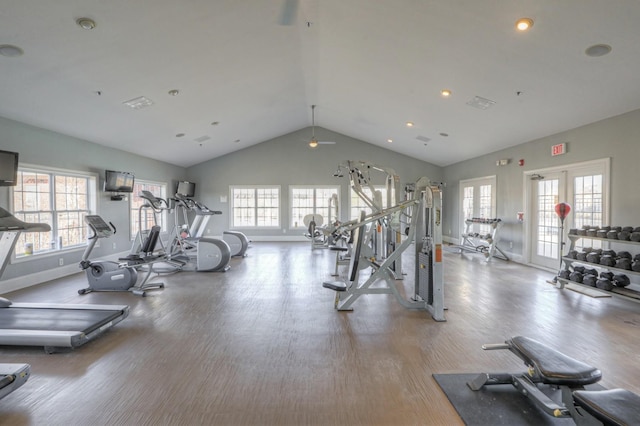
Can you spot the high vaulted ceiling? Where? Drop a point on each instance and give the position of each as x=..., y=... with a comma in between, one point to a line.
x=370, y=66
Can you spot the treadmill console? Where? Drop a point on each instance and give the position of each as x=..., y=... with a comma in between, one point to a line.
x=99, y=226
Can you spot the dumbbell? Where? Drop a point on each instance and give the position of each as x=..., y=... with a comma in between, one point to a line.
x=589, y=280
x=608, y=275
x=575, y=277
x=604, y=284
x=621, y=280
x=622, y=254
x=593, y=257
x=624, y=263
x=607, y=260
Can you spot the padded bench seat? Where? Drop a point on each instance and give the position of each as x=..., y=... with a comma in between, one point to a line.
x=335, y=285
x=612, y=407
x=554, y=367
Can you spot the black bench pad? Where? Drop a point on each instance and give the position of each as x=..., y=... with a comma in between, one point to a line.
x=555, y=368
x=335, y=285
x=612, y=407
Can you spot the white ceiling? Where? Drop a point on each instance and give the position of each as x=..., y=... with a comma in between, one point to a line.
x=369, y=66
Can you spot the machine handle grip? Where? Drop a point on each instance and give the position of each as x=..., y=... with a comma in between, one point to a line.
x=495, y=346
x=113, y=227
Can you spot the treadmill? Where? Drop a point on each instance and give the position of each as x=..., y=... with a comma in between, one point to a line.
x=12, y=376
x=56, y=327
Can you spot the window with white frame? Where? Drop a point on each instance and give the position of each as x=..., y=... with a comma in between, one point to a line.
x=316, y=200
x=357, y=204
x=255, y=206
x=59, y=198
x=146, y=216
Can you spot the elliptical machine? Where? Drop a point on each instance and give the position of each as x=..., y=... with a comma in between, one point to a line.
x=187, y=243
x=238, y=242
x=107, y=275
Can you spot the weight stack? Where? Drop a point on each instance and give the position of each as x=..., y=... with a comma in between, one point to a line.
x=425, y=277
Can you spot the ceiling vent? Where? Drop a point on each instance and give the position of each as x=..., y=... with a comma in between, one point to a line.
x=481, y=103
x=423, y=138
x=202, y=139
x=139, y=102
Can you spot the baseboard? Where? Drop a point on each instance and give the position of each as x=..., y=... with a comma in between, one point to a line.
x=24, y=281
x=277, y=238
x=450, y=240
x=36, y=278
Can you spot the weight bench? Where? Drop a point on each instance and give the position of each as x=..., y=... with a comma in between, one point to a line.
x=546, y=366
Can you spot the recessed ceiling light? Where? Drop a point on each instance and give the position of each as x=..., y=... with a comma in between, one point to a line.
x=174, y=92
x=215, y=123
x=10, y=51
x=598, y=50
x=444, y=135
x=523, y=24
x=390, y=140
x=86, y=23
x=236, y=141
x=445, y=93
x=179, y=135
x=409, y=124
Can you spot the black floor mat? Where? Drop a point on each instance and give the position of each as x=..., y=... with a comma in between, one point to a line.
x=496, y=404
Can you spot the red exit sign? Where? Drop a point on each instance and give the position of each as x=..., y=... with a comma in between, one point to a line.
x=559, y=149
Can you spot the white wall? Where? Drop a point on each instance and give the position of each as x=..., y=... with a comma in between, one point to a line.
x=617, y=137
x=46, y=148
x=288, y=160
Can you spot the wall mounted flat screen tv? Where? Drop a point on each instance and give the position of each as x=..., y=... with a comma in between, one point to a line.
x=118, y=181
x=8, y=168
x=186, y=189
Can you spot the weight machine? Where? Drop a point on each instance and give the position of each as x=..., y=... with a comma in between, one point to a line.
x=384, y=237
x=424, y=209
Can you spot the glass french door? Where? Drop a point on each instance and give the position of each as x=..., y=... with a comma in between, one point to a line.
x=547, y=191
x=478, y=199
x=584, y=188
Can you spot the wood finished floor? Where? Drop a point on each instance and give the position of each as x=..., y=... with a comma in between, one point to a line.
x=262, y=345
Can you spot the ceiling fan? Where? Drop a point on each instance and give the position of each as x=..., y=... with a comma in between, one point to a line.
x=314, y=142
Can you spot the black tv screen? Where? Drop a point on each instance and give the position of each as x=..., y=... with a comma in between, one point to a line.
x=8, y=168
x=187, y=189
x=118, y=181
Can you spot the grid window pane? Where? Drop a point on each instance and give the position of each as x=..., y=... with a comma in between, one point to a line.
x=146, y=215
x=255, y=207
x=58, y=199
x=316, y=201
x=358, y=204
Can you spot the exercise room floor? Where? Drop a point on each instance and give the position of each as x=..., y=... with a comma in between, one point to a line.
x=262, y=345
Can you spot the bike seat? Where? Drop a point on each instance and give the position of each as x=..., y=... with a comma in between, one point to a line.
x=611, y=407
x=553, y=367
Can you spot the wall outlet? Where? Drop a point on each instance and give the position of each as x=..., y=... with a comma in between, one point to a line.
x=113, y=246
x=284, y=231
x=60, y=262
x=510, y=244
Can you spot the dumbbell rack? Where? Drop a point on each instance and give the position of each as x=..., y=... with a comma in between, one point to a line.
x=475, y=243
x=623, y=291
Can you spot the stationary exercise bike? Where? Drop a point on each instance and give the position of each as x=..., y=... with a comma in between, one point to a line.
x=106, y=275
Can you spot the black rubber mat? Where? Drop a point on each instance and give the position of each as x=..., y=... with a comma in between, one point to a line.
x=496, y=404
x=83, y=320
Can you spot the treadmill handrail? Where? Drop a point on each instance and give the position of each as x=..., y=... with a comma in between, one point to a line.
x=9, y=222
